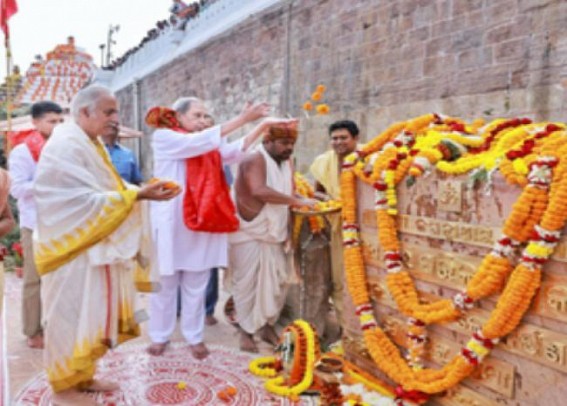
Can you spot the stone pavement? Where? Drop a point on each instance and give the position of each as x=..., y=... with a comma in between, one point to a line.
x=25, y=363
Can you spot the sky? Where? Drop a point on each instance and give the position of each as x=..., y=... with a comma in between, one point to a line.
x=39, y=25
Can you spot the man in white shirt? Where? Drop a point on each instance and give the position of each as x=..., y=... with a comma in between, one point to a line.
x=22, y=164
x=191, y=231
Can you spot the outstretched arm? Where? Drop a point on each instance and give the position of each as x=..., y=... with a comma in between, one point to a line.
x=254, y=172
x=249, y=114
x=234, y=152
x=264, y=126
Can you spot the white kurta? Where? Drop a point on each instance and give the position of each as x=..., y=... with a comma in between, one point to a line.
x=22, y=169
x=178, y=247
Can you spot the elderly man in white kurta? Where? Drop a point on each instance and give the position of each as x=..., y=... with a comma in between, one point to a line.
x=191, y=231
x=259, y=260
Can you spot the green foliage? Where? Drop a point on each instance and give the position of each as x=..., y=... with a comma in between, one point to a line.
x=479, y=176
x=410, y=181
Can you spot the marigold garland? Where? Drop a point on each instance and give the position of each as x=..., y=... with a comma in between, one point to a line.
x=316, y=222
x=264, y=367
x=306, y=353
x=535, y=223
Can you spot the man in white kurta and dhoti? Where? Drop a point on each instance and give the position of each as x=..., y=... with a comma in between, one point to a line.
x=259, y=259
x=191, y=231
x=92, y=248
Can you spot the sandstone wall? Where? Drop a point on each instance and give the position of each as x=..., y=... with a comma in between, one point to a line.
x=443, y=246
x=382, y=61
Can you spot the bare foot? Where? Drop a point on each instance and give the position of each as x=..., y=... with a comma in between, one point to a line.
x=247, y=343
x=268, y=334
x=36, y=341
x=99, y=385
x=199, y=351
x=210, y=320
x=230, y=312
x=157, y=349
x=72, y=397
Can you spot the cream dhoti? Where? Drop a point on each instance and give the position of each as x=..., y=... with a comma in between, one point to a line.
x=258, y=259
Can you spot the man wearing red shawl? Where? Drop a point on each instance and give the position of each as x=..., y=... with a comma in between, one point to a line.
x=22, y=164
x=191, y=231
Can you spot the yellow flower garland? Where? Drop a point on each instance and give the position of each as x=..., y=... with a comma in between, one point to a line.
x=277, y=385
x=263, y=367
x=535, y=206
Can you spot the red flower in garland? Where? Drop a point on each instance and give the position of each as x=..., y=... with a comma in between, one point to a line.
x=17, y=248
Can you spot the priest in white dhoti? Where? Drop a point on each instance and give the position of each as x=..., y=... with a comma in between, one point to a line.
x=92, y=248
x=191, y=231
x=260, y=260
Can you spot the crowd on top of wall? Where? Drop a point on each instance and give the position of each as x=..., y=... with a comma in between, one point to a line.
x=181, y=14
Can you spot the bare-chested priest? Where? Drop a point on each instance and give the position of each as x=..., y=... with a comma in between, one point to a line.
x=258, y=258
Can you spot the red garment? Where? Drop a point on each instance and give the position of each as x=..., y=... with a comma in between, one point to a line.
x=7, y=9
x=207, y=205
x=32, y=138
x=35, y=142
x=17, y=137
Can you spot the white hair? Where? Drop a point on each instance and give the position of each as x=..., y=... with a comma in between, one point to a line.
x=183, y=104
x=87, y=98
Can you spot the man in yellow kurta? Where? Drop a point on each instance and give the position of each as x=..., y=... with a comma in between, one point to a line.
x=326, y=171
x=92, y=248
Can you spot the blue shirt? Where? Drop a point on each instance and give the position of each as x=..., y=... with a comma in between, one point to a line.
x=125, y=163
x=228, y=175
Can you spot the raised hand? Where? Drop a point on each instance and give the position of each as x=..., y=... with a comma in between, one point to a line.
x=254, y=111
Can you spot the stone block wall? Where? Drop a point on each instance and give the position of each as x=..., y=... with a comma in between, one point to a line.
x=443, y=247
x=382, y=61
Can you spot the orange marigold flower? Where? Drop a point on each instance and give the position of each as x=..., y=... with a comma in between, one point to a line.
x=323, y=109
x=321, y=89
x=316, y=96
x=307, y=106
x=222, y=395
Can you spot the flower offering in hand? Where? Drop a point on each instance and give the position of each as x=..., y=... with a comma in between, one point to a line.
x=171, y=185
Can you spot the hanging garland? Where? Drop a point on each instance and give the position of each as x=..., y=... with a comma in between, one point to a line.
x=528, y=155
